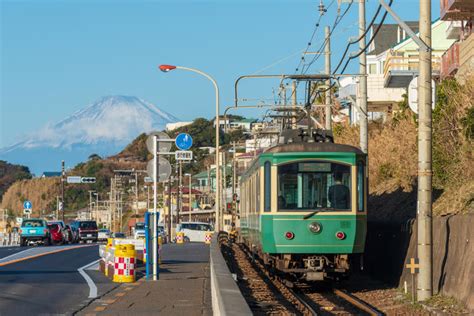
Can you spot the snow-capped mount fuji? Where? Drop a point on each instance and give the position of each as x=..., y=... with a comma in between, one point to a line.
x=104, y=128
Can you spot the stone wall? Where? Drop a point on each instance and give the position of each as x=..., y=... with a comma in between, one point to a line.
x=389, y=247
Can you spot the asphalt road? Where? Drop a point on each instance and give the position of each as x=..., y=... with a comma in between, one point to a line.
x=49, y=284
x=7, y=251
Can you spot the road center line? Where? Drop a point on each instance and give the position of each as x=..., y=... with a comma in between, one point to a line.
x=90, y=283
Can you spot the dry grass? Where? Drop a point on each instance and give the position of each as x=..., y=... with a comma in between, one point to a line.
x=393, y=152
x=40, y=191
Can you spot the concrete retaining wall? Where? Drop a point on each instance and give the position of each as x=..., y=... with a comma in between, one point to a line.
x=389, y=247
x=226, y=296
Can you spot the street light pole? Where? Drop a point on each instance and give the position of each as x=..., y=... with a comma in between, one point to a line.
x=167, y=68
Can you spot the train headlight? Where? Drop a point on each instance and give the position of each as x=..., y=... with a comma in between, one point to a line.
x=289, y=235
x=340, y=235
x=315, y=227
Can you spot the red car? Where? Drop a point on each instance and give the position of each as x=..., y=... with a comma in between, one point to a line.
x=57, y=236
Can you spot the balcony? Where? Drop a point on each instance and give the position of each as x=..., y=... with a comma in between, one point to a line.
x=454, y=30
x=450, y=62
x=400, y=68
x=456, y=9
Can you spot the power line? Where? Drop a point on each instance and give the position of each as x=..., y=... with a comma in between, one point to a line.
x=359, y=39
x=318, y=23
x=361, y=50
x=337, y=20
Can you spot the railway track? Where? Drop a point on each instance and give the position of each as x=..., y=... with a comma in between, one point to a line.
x=285, y=298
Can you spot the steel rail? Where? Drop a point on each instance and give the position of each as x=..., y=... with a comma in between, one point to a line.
x=357, y=302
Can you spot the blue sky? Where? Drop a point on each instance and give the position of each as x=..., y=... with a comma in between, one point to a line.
x=58, y=56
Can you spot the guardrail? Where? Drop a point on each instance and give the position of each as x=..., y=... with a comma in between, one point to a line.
x=12, y=239
x=226, y=296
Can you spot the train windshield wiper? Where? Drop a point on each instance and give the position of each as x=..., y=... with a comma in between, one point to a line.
x=322, y=209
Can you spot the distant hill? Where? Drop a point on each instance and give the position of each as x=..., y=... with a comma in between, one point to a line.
x=10, y=173
x=104, y=127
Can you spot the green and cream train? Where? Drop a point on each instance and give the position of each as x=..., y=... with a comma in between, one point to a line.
x=303, y=208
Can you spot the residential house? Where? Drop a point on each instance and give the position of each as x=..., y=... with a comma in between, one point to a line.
x=51, y=174
x=172, y=126
x=402, y=61
x=458, y=60
x=380, y=100
x=244, y=124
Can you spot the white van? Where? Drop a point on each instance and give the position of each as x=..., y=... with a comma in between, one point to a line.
x=194, y=231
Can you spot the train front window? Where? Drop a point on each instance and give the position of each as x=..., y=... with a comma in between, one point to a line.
x=312, y=185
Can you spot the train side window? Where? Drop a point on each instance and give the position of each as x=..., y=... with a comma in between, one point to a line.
x=267, y=186
x=360, y=186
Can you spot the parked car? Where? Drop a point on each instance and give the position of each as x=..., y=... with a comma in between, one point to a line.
x=62, y=226
x=194, y=231
x=69, y=234
x=139, y=230
x=86, y=230
x=103, y=234
x=34, y=230
x=56, y=233
x=119, y=235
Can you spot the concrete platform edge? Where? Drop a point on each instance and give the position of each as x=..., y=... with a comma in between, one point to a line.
x=226, y=296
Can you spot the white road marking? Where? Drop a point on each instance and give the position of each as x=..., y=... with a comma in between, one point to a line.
x=90, y=283
x=16, y=254
x=36, y=251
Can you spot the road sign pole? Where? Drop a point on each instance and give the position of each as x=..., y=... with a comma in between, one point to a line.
x=155, y=222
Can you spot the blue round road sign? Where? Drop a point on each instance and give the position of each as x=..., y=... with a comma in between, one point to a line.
x=184, y=141
x=27, y=205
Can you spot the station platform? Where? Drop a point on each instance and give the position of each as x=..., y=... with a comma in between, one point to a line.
x=183, y=288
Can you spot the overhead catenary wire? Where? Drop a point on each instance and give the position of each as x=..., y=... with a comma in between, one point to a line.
x=361, y=50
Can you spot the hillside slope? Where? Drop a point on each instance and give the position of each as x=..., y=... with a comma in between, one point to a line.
x=393, y=157
x=10, y=173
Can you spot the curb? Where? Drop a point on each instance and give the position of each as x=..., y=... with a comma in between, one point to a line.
x=226, y=296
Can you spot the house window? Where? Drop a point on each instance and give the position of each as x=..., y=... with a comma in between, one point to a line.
x=372, y=69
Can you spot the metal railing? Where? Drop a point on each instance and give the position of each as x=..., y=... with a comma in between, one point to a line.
x=411, y=62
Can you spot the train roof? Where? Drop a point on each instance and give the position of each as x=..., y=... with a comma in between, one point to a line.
x=314, y=147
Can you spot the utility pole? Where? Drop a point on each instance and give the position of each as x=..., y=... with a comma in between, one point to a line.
x=136, y=194
x=90, y=204
x=234, y=171
x=180, y=192
x=63, y=173
x=169, y=211
x=295, y=100
x=190, y=197
x=362, y=100
x=327, y=54
x=224, y=190
x=425, y=234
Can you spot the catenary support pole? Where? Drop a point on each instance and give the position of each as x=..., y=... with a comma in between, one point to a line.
x=363, y=82
x=327, y=54
x=294, y=101
x=425, y=281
